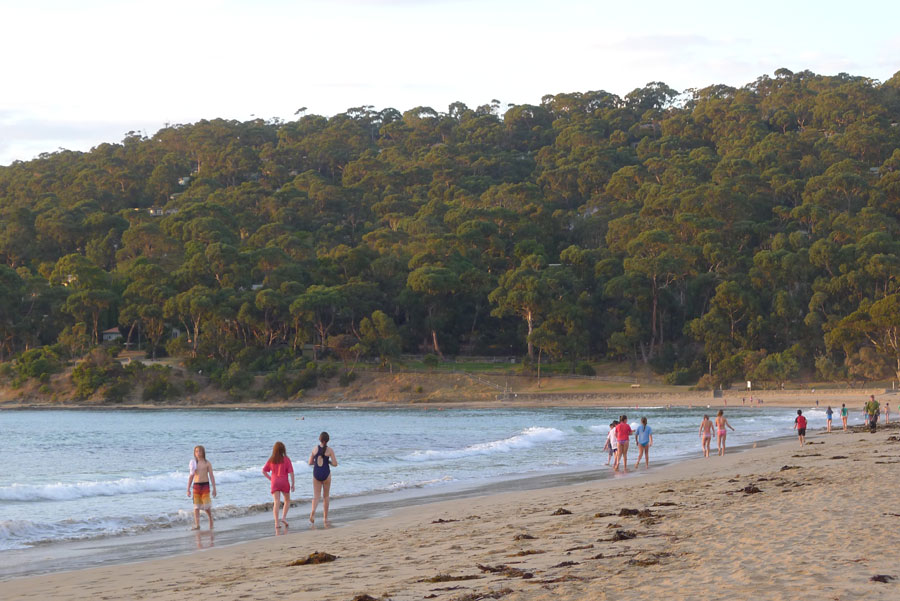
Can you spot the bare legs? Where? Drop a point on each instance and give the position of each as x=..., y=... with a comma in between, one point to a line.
x=621, y=454
x=320, y=489
x=706, y=441
x=720, y=443
x=197, y=518
x=844, y=419
x=643, y=451
x=276, y=507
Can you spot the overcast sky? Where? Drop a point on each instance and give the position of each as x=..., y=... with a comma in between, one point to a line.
x=76, y=74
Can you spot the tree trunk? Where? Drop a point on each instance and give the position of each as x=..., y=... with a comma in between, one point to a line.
x=540, y=352
x=434, y=342
x=530, y=319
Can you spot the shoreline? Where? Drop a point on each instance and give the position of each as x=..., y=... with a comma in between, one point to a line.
x=530, y=400
x=173, y=542
x=448, y=536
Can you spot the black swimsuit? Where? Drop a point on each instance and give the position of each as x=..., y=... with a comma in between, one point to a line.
x=321, y=472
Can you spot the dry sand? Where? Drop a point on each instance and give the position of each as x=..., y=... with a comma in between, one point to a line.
x=825, y=520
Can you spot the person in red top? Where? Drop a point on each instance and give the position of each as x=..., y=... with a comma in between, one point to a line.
x=800, y=426
x=278, y=469
x=623, y=433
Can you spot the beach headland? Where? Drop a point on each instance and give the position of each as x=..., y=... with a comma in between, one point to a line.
x=777, y=522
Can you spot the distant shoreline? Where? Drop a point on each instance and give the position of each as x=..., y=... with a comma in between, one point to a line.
x=786, y=398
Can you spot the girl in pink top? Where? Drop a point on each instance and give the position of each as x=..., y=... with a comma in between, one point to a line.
x=278, y=469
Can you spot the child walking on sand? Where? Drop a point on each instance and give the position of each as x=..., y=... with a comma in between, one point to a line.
x=278, y=470
x=844, y=413
x=610, y=445
x=706, y=434
x=800, y=426
x=643, y=436
x=721, y=423
x=322, y=459
x=828, y=415
x=199, y=482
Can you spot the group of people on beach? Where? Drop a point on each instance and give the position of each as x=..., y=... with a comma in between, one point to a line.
x=617, y=442
x=279, y=471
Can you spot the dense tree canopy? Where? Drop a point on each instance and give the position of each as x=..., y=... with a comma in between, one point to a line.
x=723, y=232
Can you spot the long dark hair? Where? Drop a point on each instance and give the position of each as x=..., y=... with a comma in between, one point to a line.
x=324, y=438
x=278, y=453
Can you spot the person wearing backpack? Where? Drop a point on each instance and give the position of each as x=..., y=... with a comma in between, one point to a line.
x=800, y=426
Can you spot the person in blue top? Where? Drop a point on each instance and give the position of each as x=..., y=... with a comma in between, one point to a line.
x=643, y=436
x=828, y=415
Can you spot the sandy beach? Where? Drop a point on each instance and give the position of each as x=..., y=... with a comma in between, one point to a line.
x=779, y=522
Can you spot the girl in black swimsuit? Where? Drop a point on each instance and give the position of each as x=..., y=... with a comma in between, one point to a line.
x=322, y=459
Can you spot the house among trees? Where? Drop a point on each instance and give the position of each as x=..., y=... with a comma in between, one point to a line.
x=111, y=335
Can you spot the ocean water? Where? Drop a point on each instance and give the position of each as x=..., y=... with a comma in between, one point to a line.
x=86, y=475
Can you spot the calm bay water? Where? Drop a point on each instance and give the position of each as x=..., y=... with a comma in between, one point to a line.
x=83, y=475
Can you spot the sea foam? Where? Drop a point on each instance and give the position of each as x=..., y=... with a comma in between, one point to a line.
x=525, y=439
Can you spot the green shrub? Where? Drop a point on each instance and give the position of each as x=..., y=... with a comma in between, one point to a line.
x=419, y=390
x=116, y=391
x=328, y=371
x=235, y=378
x=159, y=388
x=35, y=362
x=431, y=361
x=176, y=347
x=680, y=376
x=346, y=378
x=191, y=387
x=585, y=369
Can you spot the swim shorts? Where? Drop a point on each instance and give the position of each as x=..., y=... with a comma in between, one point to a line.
x=201, y=495
x=801, y=431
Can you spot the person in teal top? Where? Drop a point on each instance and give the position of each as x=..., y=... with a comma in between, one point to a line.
x=643, y=436
x=844, y=414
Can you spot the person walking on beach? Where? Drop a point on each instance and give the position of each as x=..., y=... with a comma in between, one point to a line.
x=800, y=426
x=322, y=459
x=721, y=424
x=706, y=434
x=873, y=410
x=623, y=433
x=643, y=437
x=887, y=413
x=279, y=470
x=199, y=482
x=828, y=415
x=610, y=446
x=844, y=413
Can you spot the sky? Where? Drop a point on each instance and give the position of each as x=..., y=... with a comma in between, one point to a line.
x=76, y=74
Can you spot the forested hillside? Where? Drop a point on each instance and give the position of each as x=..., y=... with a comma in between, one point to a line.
x=724, y=233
